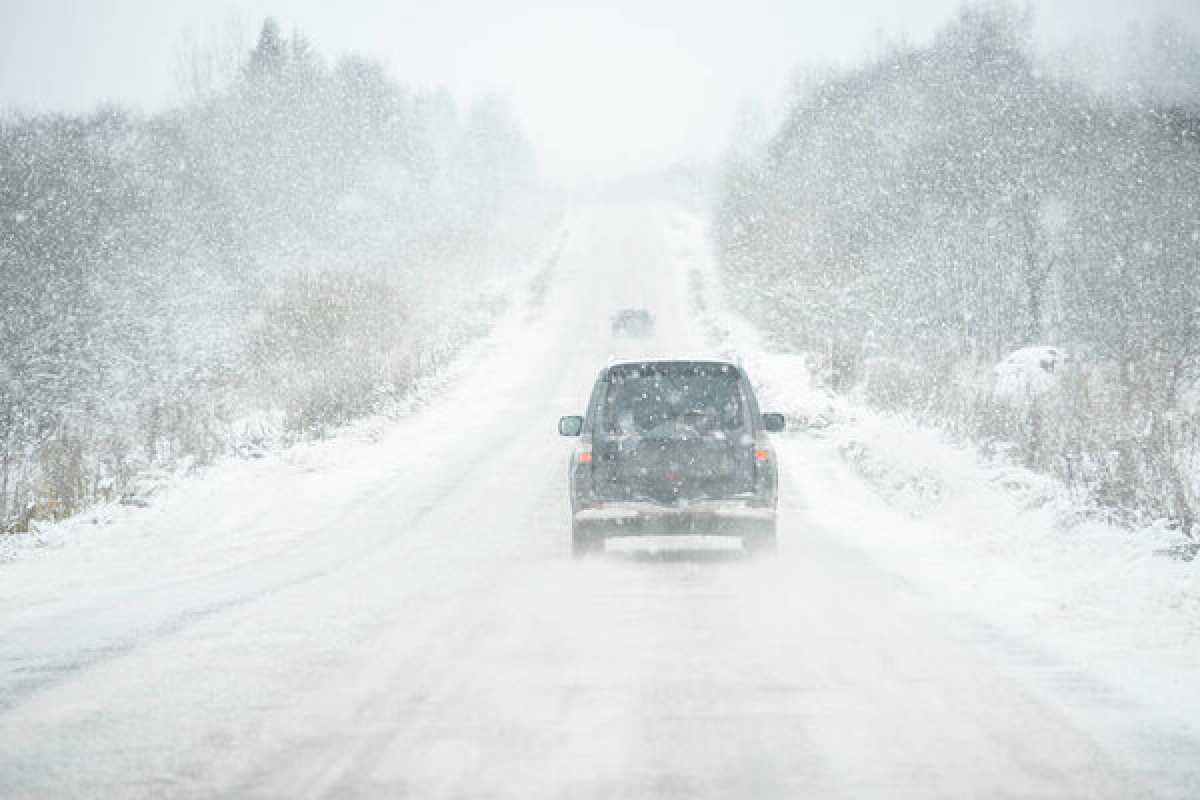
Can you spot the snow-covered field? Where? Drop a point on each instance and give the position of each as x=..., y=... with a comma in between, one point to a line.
x=394, y=611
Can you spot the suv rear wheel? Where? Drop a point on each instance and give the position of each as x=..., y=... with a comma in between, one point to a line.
x=760, y=542
x=585, y=540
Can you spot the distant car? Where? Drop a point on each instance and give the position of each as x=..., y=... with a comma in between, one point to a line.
x=672, y=447
x=637, y=323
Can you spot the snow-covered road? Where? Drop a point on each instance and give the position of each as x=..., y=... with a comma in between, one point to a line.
x=396, y=614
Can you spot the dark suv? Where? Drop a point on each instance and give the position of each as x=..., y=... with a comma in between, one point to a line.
x=672, y=447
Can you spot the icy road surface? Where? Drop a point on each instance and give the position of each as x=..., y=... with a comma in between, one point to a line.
x=401, y=618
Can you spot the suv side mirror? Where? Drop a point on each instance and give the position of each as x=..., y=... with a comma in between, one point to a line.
x=570, y=426
x=773, y=422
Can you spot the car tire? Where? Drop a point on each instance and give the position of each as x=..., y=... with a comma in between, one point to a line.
x=760, y=542
x=585, y=541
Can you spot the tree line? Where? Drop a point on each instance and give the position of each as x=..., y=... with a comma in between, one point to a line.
x=915, y=219
x=270, y=246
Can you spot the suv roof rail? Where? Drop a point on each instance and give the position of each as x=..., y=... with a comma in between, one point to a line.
x=735, y=356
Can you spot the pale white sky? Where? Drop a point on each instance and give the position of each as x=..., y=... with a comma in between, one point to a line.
x=601, y=88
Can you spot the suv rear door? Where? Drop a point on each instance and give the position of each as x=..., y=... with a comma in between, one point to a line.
x=673, y=431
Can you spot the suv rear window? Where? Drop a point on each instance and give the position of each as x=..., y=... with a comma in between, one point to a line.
x=671, y=399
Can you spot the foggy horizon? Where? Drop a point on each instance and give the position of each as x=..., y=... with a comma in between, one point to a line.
x=602, y=93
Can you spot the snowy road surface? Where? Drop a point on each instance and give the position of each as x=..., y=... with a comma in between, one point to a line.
x=400, y=617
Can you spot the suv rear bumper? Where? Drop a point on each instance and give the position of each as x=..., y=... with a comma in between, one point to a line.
x=644, y=518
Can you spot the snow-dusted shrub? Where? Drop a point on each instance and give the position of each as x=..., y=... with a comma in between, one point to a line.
x=329, y=347
x=1028, y=374
x=896, y=383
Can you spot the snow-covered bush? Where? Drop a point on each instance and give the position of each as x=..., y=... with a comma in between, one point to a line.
x=327, y=347
x=1028, y=374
